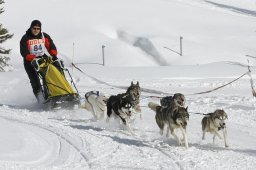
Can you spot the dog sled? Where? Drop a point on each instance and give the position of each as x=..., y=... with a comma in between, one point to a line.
x=56, y=90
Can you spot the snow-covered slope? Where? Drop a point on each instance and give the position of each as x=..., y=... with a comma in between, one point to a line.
x=135, y=32
x=35, y=139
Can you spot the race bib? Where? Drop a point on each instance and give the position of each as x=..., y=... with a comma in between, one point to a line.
x=37, y=47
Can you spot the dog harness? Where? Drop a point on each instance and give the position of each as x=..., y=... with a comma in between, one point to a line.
x=87, y=95
x=97, y=93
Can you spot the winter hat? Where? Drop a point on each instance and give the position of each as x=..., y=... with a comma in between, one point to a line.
x=35, y=23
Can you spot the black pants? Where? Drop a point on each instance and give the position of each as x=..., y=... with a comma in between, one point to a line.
x=32, y=75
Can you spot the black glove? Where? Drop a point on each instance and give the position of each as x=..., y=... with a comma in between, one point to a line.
x=43, y=56
x=54, y=58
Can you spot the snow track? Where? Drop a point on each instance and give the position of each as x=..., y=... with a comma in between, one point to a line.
x=69, y=139
x=67, y=143
x=77, y=142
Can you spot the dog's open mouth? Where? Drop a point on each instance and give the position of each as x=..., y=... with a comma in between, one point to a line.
x=184, y=124
x=129, y=113
x=105, y=101
x=222, y=126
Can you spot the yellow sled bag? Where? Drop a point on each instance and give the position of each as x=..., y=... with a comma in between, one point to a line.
x=54, y=85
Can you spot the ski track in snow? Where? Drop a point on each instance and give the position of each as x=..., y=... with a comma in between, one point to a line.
x=78, y=142
x=51, y=129
x=97, y=145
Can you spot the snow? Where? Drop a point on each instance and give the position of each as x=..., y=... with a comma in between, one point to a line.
x=211, y=31
x=32, y=138
x=215, y=32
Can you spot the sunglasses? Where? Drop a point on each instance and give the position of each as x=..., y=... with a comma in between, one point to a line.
x=36, y=28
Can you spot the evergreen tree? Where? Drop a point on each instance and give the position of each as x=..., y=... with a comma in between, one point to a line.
x=4, y=35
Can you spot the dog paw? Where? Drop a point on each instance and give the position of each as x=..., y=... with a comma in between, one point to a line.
x=226, y=145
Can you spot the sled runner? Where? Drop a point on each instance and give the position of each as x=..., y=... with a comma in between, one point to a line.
x=56, y=90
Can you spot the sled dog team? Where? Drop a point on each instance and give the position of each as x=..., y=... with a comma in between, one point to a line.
x=171, y=112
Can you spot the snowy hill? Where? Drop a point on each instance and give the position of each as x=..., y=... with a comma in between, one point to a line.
x=134, y=33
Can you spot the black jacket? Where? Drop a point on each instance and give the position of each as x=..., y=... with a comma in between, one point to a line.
x=28, y=38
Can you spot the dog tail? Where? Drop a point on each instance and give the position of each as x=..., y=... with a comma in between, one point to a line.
x=153, y=106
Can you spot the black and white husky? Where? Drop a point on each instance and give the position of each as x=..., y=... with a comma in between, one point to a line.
x=96, y=103
x=214, y=122
x=120, y=107
x=133, y=94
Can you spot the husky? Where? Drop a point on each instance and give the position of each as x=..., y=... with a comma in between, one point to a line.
x=174, y=118
x=133, y=94
x=213, y=122
x=120, y=106
x=96, y=103
x=177, y=99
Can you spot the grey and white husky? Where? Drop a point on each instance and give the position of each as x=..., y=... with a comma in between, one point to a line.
x=177, y=99
x=214, y=122
x=96, y=103
x=133, y=94
x=172, y=117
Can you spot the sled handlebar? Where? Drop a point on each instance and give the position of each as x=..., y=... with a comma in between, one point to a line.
x=38, y=61
x=35, y=64
x=48, y=59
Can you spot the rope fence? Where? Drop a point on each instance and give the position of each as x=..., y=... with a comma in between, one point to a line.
x=151, y=91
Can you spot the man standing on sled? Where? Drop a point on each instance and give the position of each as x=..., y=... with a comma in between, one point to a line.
x=34, y=44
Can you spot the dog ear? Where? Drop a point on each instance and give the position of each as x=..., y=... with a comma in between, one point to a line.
x=132, y=83
x=187, y=114
x=186, y=108
x=137, y=83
